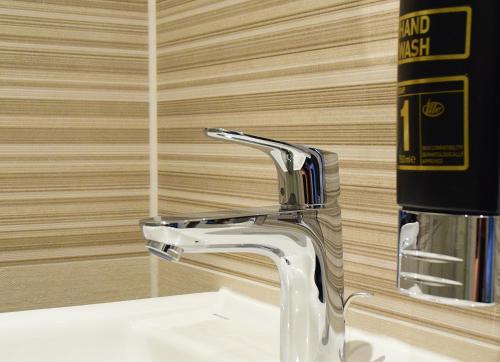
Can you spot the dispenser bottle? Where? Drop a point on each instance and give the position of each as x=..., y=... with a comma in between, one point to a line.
x=448, y=149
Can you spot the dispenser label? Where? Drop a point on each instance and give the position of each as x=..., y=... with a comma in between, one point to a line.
x=435, y=34
x=433, y=124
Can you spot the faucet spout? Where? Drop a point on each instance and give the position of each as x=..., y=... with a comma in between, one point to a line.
x=164, y=251
x=312, y=323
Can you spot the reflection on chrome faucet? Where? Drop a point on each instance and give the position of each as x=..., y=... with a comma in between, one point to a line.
x=302, y=236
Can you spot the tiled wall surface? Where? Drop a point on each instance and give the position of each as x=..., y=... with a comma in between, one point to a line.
x=316, y=72
x=73, y=152
x=74, y=146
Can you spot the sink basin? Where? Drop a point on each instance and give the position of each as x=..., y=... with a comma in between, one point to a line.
x=218, y=326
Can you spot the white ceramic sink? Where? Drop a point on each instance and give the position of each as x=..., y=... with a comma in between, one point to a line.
x=215, y=327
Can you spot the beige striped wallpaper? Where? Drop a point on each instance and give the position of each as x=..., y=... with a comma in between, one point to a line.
x=73, y=152
x=321, y=72
x=74, y=147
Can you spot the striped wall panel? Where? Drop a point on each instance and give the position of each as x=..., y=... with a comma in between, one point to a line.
x=73, y=152
x=319, y=72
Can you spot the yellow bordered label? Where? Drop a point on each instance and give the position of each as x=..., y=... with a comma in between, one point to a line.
x=418, y=42
x=433, y=124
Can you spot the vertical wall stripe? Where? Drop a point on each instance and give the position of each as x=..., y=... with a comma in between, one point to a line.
x=153, y=135
x=153, y=124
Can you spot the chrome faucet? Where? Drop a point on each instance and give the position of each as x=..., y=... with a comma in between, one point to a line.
x=302, y=235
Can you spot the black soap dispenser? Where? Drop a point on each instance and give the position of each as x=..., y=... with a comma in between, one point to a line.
x=448, y=150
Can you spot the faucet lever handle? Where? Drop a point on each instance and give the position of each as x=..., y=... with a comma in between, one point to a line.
x=301, y=170
x=287, y=157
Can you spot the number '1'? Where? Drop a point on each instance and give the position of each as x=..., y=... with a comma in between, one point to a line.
x=405, y=113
